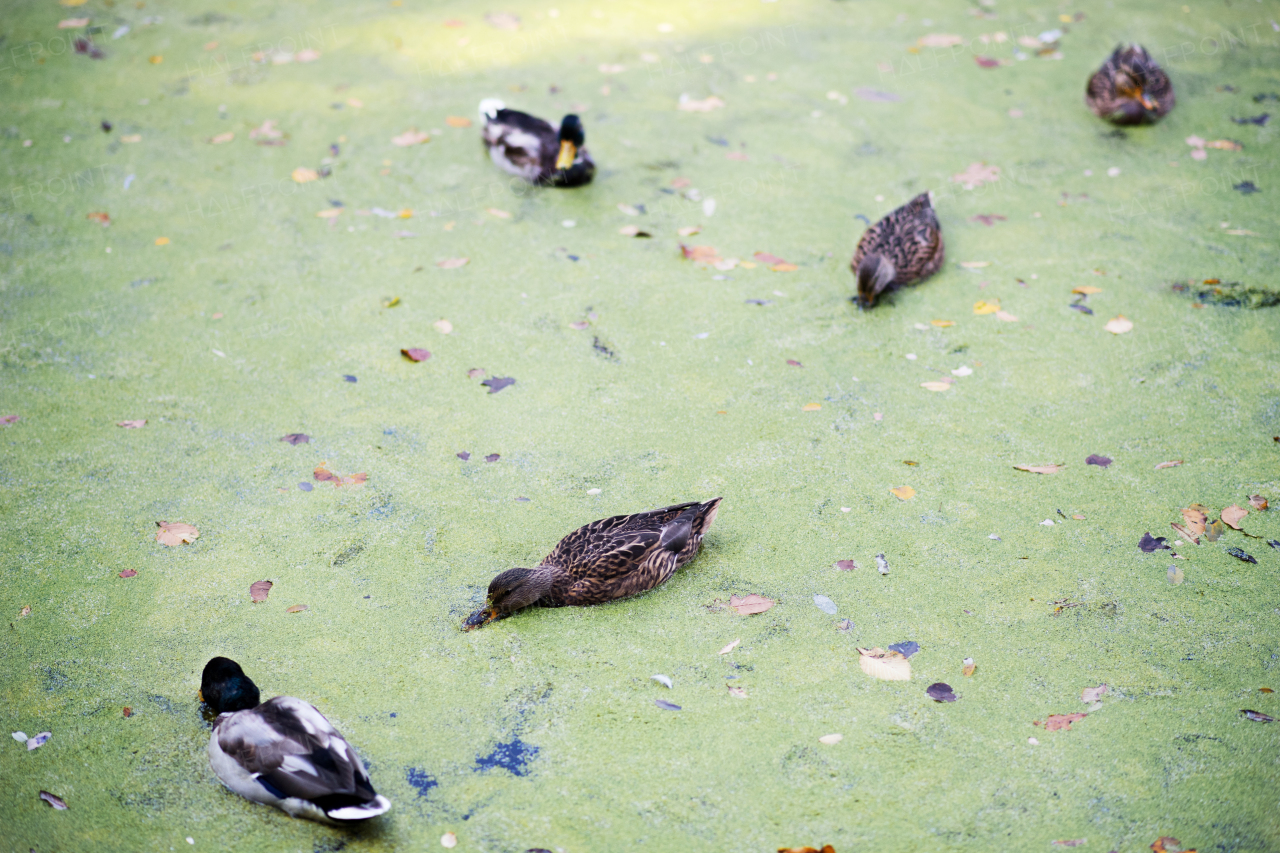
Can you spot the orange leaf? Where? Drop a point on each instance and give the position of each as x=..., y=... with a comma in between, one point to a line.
x=1232, y=515
x=904, y=493
x=702, y=254
x=176, y=533
x=784, y=268
x=984, y=307
x=943, y=324
x=458, y=121
x=748, y=605
x=1172, y=464
x=295, y=608
x=811, y=407
x=1062, y=722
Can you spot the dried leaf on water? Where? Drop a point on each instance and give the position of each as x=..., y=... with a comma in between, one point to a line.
x=303, y=175
x=54, y=801
x=969, y=667
x=1095, y=459
x=976, y=175
x=940, y=691
x=296, y=438
x=129, y=573
x=885, y=665
x=103, y=219
x=700, y=254
x=296, y=608
x=830, y=740
x=1171, y=464
x=984, y=307
x=412, y=136
x=1257, y=716
x=1041, y=469
x=258, y=590
x=825, y=604
x=131, y=424
x=1061, y=722
x=1258, y=502
x=176, y=533
x=1213, y=530
x=749, y=605
x=667, y=706
x=1232, y=515
x=730, y=647
x=497, y=383
x=38, y=741
x=811, y=407
x=633, y=231
x=1119, y=325
x=1241, y=555
x=415, y=354
x=1168, y=844
x=1175, y=575
x=846, y=565
x=458, y=121
x=1092, y=694
x=452, y=263
x=936, y=386
x=903, y=493
x=1149, y=543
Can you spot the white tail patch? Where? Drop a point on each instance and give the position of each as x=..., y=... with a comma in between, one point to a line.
x=379, y=805
x=489, y=108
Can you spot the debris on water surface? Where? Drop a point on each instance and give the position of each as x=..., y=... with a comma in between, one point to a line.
x=826, y=848
x=452, y=263
x=1073, y=842
x=497, y=383
x=1041, y=469
x=176, y=533
x=493, y=457
x=1213, y=530
x=449, y=840
x=444, y=327
x=1119, y=325
x=412, y=136
x=885, y=665
x=845, y=565
x=1257, y=716
x=1100, y=461
x=667, y=706
x=1092, y=694
x=976, y=175
x=296, y=608
x=1168, y=844
x=38, y=741
x=1149, y=543
x=1060, y=722
x=664, y=680
x=1175, y=575
x=1241, y=555
x=907, y=649
x=969, y=667
x=54, y=801
x=730, y=647
x=258, y=590
x=296, y=438
x=1232, y=515
x=825, y=604
x=1171, y=464
x=882, y=565
x=830, y=740
x=737, y=692
x=324, y=475
x=416, y=354
x=129, y=573
x=903, y=493
x=749, y=605
x=1258, y=502
x=940, y=691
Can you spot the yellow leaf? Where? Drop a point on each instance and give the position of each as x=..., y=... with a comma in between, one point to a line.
x=969, y=667
x=904, y=493
x=155, y=60
x=943, y=324
x=983, y=307
x=72, y=2
x=1119, y=325
x=302, y=175
x=391, y=302
x=749, y=605
x=407, y=213
x=747, y=265
x=887, y=666
x=221, y=138
x=458, y=121
x=330, y=213
x=935, y=386
x=810, y=407
x=1086, y=289
x=295, y=608
x=784, y=268
x=162, y=241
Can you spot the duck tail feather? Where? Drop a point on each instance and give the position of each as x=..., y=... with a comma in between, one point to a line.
x=378, y=805
x=489, y=108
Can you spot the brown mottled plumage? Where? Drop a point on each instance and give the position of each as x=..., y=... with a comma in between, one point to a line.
x=901, y=249
x=606, y=560
x=1130, y=88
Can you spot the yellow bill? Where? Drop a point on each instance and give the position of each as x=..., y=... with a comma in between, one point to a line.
x=568, y=151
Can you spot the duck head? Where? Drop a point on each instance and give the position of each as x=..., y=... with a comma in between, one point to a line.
x=1129, y=86
x=225, y=688
x=571, y=139
x=508, y=592
x=874, y=275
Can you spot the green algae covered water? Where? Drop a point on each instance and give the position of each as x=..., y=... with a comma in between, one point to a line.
x=221, y=308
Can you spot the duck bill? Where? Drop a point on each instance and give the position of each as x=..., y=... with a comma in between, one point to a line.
x=479, y=618
x=568, y=152
x=1148, y=103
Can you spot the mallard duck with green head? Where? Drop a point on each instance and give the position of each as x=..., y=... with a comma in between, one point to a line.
x=530, y=148
x=283, y=752
x=606, y=560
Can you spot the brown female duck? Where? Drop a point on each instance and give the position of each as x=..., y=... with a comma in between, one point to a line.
x=1130, y=88
x=901, y=249
x=606, y=560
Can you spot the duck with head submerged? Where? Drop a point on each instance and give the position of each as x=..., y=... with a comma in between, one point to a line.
x=530, y=148
x=902, y=248
x=606, y=560
x=1130, y=88
x=283, y=752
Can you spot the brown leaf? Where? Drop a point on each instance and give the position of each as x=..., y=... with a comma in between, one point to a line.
x=103, y=219
x=700, y=254
x=1196, y=516
x=415, y=354
x=1232, y=515
x=766, y=258
x=54, y=801
x=1168, y=844
x=452, y=263
x=730, y=647
x=826, y=848
x=1172, y=464
x=1062, y=722
x=748, y=605
x=295, y=608
x=132, y=424
x=475, y=372
x=1041, y=469
x=176, y=533
x=412, y=136
x=1258, y=502
x=324, y=475
x=258, y=590
x=846, y=565
x=887, y=666
x=1186, y=533
x=903, y=493
x=129, y=573
x=127, y=711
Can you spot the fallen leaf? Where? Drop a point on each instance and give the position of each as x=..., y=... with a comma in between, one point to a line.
x=9, y=419
x=984, y=307
x=155, y=59
x=940, y=691
x=1062, y=722
x=1213, y=530
x=1148, y=543
x=737, y=692
x=662, y=679
x=102, y=218
x=1100, y=461
x=1074, y=842
x=975, y=265
x=1258, y=502
x=730, y=647
x=463, y=455
x=296, y=608
x=303, y=175
x=1232, y=515
x=391, y=302
x=825, y=604
x=1196, y=516
x=54, y=800
x=162, y=241
x=699, y=254
x=1119, y=325
x=1092, y=694
x=1241, y=555
x=903, y=493
x=940, y=40
x=176, y=533
x=749, y=605
x=907, y=649
x=988, y=219
x=1256, y=716
x=830, y=740
x=794, y=363
x=976, y=175
x=691, y=105
x=497, y=383
x=494, y=457
x=324, y=475
x=25, y=611
x=72, y=23
x=943, y=324
x=452, y=263
x=579, y=325
x=887, y=666
x=131, y=424
x=633, y=231
x=1168, y=844
x=986, y=61
x=826, y=848
x=1186, y=532
x=126, y=711
x=458, y=121
x=329, y=213
x=131, y=138
x=1086, y=289
x=1171, y=464
x=296, y=438
x=268, y=130
x=936, y=386
x=882, y=565
x=1006, y=317
x=969, y=667
x=444, y=327
x=846, y=565
x=811, y=407
x=667, y=706
x=258, y=590
x=501, y=214
x=766, y=258
x=689, y=230
x=1225, y=145
x=1175, y=575
x=415, y=354
x=412, y=136
x=221, y=138
x=449, y=840
x=1041, y=469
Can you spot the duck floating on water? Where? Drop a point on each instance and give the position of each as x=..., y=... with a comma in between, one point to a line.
x=283, y=752
x=1130, y=88
x=530, y=148
x=606, y=560
x=902, y=248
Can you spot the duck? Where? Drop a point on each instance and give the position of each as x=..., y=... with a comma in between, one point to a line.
x=283, y=752
x=530, y=148
x=902, y=248
x=1130, y=88
x=606, y=560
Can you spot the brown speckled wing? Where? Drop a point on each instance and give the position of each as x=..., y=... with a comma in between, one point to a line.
x=910, y=237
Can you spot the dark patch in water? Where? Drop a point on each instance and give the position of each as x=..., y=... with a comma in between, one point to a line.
x=513, y=756
x=603, y=350
x=329, y=845
x=420, y=779
x=348, y=555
